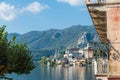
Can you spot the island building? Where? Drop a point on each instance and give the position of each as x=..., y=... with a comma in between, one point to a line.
x=105, y=15
x=79, y=55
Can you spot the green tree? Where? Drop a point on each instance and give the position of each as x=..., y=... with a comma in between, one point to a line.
x=14, y=57
x=43, y=60
x=3, y=50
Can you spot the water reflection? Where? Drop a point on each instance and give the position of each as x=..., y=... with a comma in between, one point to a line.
x=67, y=73
x=89, y=73
x=58, y=73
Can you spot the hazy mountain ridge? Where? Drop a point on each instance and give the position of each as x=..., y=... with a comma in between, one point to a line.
x=54, y=38
x=10, y=35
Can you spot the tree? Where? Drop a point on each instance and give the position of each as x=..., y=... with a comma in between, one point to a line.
x=43, y=60
x=3, y=50
x=14, y=57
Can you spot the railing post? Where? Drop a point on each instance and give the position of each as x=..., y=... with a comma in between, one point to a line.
x=87, y=1
x=99, y=1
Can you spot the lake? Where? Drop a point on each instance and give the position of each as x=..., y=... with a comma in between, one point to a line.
x=57, y=73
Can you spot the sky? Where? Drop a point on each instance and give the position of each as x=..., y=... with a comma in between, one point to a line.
x=22, y=16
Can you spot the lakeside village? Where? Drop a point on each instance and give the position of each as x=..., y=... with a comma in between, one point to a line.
x=71, y=57
x=90, y=55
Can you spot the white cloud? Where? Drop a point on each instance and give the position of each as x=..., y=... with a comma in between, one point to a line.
x=34, y=7
x=7, y=11
x=73, y=2
x=79, y=3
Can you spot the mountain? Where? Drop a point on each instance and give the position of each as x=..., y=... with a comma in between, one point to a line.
x=44, y=41
x=10, y=35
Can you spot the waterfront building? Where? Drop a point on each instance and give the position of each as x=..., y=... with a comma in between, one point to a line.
x=75, y=52
x=79, y=55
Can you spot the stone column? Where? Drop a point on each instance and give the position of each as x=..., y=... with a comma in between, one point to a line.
x=113, y=35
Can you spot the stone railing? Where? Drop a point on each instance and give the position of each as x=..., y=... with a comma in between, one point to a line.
x=101, y=66
x=95, y=1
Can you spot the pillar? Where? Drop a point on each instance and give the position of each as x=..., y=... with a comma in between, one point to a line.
x=113, y=35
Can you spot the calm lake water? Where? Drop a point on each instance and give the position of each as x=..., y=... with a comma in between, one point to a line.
x=57, y=73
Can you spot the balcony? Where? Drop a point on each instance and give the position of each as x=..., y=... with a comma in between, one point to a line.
x=95, y=1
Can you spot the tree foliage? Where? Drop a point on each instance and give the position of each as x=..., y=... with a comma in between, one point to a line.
x=43, y=60
x=14, y=57
x=101, y=50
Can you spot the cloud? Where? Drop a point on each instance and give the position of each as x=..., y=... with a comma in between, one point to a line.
x=7, y=11
x=73, y=2
x=34, y=7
